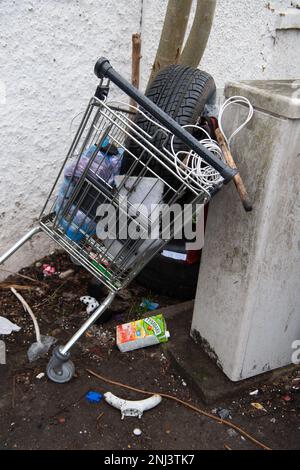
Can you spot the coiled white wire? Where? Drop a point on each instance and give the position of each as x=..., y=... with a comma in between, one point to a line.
x=229, y=102
x=189, y=165
x=193, y=164
x=192, y=168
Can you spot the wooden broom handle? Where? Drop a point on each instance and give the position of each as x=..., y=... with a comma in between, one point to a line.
x=135, y=66
x=239, y=184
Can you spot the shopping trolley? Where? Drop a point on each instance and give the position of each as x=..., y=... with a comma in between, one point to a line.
x=92, y=202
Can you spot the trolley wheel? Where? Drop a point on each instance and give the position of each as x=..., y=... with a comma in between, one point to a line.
x=60, y=373
x=60, y=368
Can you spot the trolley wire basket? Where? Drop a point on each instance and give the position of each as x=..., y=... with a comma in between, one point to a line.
x=114, y=223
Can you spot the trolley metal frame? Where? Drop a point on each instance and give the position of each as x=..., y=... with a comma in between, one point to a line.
x=157, y=174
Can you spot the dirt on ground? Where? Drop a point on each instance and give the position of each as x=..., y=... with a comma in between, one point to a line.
x=39, y=414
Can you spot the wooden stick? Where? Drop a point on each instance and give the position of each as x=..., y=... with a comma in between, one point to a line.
x=136, y=58
x=6, y=285
x=24, y=277
x=227, y=447
x=239, y=184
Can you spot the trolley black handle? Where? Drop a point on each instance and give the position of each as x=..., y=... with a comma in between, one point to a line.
x=104, y=69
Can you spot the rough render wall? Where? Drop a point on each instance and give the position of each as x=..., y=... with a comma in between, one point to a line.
x=47, y=53
x=243, y=43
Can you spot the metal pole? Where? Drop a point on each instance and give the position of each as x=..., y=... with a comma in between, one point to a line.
x=97, y=313
x=19, y=243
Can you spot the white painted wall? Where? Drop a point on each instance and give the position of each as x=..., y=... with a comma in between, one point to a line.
x=47, y=53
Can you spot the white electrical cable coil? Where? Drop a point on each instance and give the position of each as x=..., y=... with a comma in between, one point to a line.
x=229, y=102
x=191, y=166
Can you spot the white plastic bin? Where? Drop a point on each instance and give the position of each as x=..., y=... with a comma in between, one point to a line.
x=247, y=308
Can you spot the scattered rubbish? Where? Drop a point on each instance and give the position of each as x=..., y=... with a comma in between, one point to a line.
x=6, y=326
x=181, y=402
x=142, y=333
x=130, y=407
x=90, y=302
x=93, y=397
x=48, y=270
x=223, y=413
x=43, y=343
x=137, y=432
x=254, y=393
x=148, y=305
x=38, y=265
x=273, y=420
x=286, y=398
x=231, y=432
x=258, y=406
x=243, y=439
x=62, y=420
x=40, y=347
x=2, y=353
x=40, y=375
x=66, y=274
x=184, y=383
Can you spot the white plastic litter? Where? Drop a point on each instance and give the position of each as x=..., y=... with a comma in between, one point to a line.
x=90, y=302
x=130, y=407
x=137, y=432
x=2, y=353
x=40, y=375
x=229, y=102
x=40, y=349
x=66, y=274
x=6, y=326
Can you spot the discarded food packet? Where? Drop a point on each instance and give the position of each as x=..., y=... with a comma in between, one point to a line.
x=93, y=397
x=142, y=333
x=148, y=305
